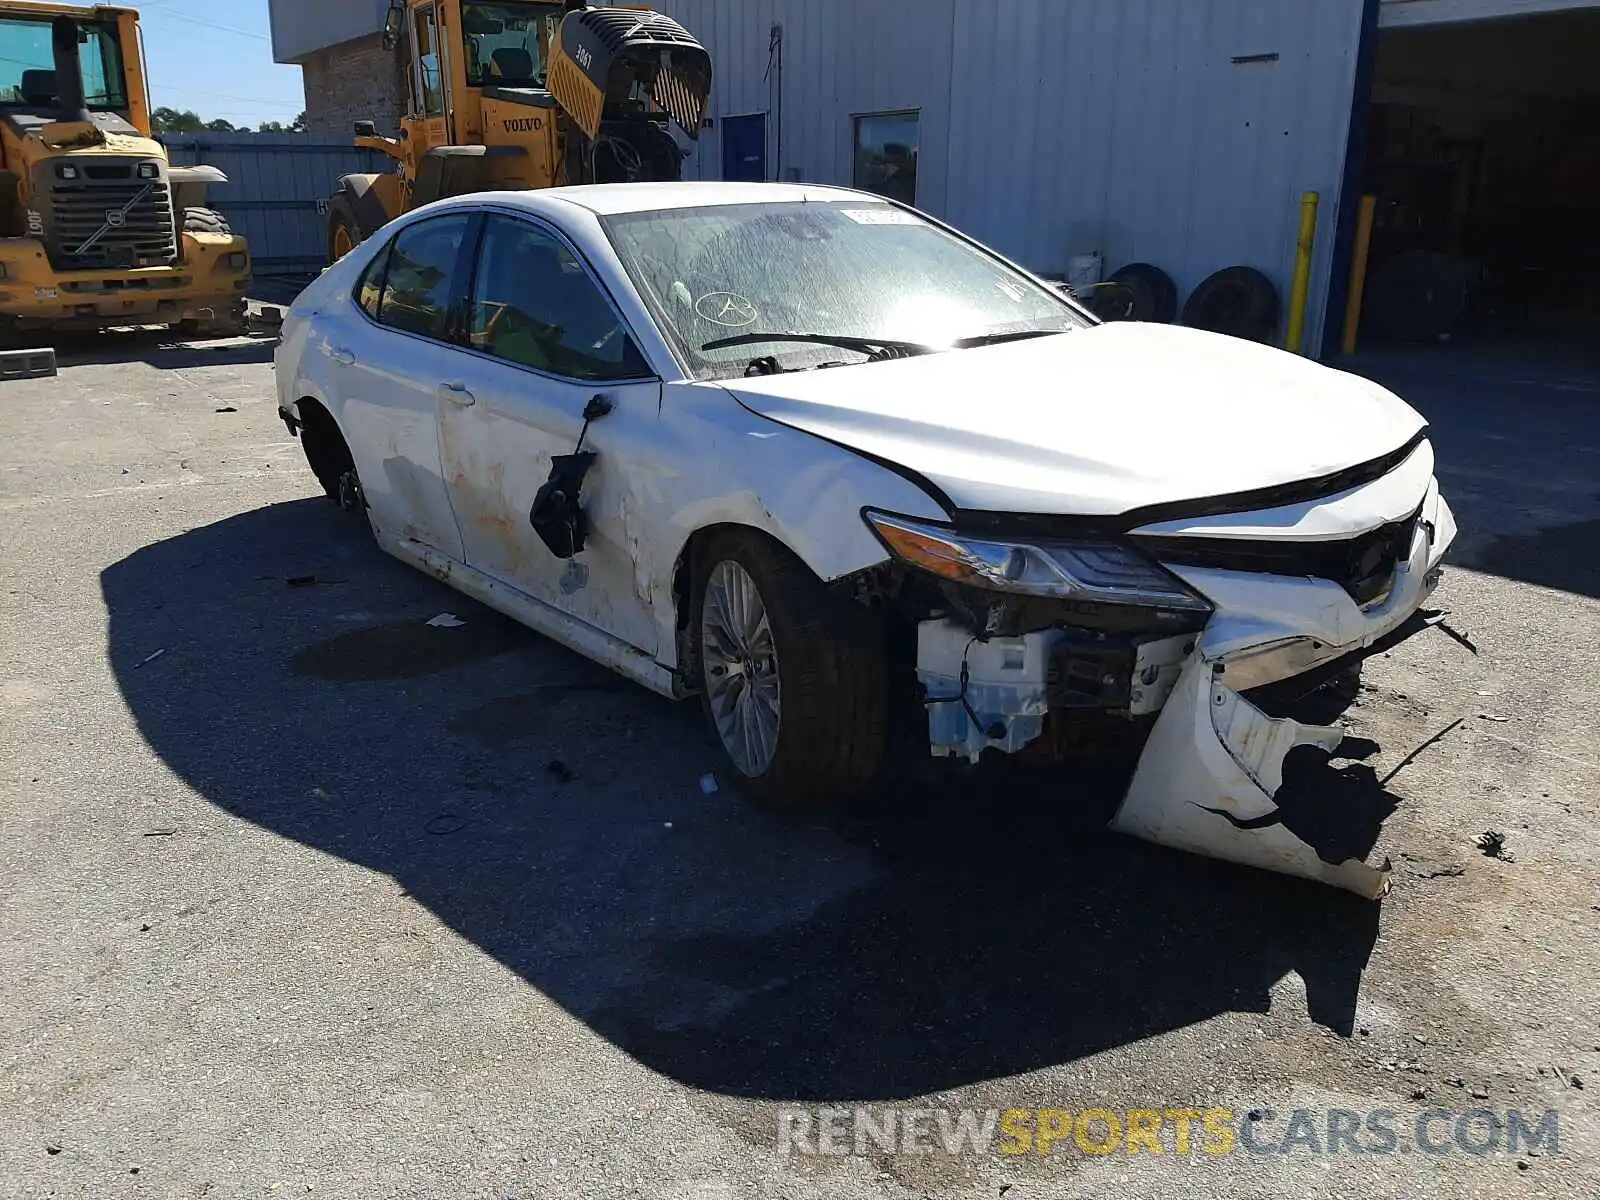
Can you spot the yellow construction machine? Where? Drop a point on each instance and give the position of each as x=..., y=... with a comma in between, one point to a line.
x=96, y=227
x=522, y=94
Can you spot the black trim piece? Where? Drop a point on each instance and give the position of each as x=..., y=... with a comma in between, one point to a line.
x=1275, y=496
x=463, y=282
x=1363, y=565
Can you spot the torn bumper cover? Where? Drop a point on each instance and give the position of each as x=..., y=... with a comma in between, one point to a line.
x=1209, y=778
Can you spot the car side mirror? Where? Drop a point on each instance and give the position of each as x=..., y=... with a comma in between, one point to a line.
x=392, y=26
x=366, y=129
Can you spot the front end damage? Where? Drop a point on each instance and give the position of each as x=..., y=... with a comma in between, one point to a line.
x=1049, y=679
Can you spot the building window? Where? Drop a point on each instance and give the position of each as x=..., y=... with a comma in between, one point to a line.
x=886, y=155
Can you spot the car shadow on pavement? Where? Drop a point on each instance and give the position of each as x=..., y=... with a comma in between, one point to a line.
x=560, y=819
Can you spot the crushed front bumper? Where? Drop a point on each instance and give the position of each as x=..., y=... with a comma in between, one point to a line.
x=1210, y=777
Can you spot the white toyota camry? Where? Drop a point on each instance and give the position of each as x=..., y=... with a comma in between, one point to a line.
x=810, y=455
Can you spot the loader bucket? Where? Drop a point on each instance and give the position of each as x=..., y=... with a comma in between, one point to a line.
x=601, y=52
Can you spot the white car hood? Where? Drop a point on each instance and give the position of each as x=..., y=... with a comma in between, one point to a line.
x=1097, y=422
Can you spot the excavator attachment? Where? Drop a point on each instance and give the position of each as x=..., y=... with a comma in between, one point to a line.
x=616, y=53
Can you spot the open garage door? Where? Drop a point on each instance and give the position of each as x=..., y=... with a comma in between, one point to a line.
x=1483, y=150
x=1413, y=14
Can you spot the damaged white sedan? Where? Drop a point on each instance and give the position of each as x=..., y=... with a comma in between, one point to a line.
x=812, y=456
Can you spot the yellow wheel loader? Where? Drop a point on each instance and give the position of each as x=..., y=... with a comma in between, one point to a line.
x=515, y=94
x=96, y=227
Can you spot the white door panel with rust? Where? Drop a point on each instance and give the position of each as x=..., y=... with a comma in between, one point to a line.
x=496, y=451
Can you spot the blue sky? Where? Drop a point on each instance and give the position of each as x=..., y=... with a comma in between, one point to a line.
x=217, y=59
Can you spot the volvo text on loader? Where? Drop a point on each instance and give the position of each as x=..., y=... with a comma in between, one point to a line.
x=518, y=94
x=96, y=227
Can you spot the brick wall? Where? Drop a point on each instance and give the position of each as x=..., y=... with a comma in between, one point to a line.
x=353, y=81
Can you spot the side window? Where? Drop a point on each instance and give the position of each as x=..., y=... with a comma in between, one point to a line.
x=416, y=291
x=534, y=304
x=369, y=288
x=430, y=66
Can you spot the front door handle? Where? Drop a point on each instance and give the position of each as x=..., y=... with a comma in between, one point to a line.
x=457, y=393
x=341, y=356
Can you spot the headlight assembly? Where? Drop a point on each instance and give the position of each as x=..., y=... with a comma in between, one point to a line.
x=1103, y=572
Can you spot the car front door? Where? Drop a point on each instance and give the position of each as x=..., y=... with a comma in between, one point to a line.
x=390, y=353
x=542, y=341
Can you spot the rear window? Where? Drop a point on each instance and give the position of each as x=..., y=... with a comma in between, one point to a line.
x=417, y=286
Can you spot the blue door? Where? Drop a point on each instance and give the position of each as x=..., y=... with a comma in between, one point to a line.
x=744, y=148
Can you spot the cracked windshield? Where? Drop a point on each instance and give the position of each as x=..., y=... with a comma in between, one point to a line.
x=856, y=271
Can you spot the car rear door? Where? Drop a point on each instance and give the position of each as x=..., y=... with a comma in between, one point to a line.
x=542, y=340
x=391, y=355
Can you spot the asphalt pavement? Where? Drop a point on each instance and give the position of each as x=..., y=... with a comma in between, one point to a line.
x=300, y=894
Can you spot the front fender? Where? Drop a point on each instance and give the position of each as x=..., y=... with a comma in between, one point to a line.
x=743, y=469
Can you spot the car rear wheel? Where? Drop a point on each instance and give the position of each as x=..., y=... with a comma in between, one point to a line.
x=330, y=460
x=792, y=675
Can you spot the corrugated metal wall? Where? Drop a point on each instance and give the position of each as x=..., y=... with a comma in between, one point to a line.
x=277, y=190
x=1055, y=127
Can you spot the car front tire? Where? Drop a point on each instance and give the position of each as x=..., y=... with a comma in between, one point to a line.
x=793, y=677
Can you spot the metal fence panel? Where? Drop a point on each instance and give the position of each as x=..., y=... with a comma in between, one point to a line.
x=277, y=190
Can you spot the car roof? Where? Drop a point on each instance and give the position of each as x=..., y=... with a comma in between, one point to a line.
x=607, y=198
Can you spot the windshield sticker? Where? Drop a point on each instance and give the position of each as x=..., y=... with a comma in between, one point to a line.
x=882, y=214
x=725, y=308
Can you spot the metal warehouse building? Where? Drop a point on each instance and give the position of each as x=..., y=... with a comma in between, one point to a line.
x=1183, y=134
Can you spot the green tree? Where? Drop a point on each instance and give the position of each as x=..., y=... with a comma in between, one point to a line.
x=170, y=120
x=220, y=126
x=298, y=125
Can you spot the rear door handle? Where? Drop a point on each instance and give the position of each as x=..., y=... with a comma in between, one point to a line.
x=457, y=393
x=341, y=356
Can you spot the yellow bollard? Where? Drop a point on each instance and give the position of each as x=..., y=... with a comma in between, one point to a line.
x=1302, y=272
x=1358, y=272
